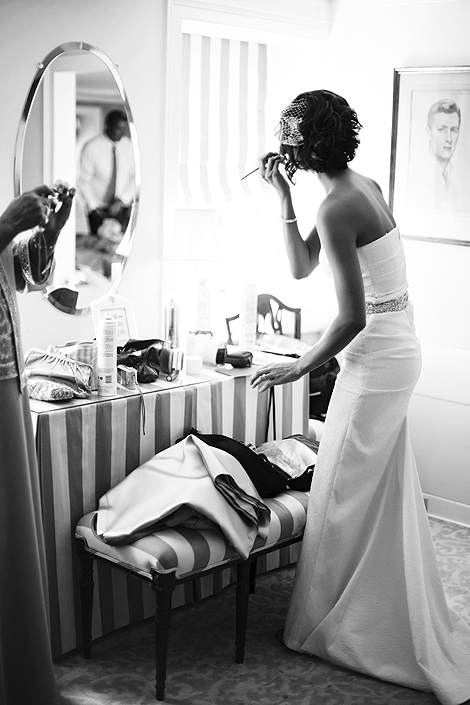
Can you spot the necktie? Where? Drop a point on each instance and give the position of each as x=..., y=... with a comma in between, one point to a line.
x=111, y=190
x=445, y=176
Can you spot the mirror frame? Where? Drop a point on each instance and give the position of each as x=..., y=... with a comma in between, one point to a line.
x=42, y=66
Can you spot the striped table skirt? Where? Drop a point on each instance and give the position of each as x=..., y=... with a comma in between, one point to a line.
x=87, y=446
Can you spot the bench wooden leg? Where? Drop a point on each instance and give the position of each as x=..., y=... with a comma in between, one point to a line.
x=86, y=596
x=163, y=585
x=243, y=593
x=253, y=576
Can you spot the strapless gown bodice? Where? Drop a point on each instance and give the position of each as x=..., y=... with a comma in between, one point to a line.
x=383, y=267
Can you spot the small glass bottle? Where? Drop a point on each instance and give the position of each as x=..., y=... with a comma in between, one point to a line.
x=172, y=324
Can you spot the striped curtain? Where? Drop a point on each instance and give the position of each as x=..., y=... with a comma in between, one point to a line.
x=222, y=119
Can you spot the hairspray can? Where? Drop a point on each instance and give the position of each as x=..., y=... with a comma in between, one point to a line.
x=107, y=357
x=172, y=324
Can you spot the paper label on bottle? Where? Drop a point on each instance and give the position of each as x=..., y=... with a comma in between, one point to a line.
x=107, y=358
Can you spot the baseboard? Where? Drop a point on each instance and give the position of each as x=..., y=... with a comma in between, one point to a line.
x=447, y=509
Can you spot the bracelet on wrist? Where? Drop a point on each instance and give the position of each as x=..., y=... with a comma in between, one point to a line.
x=288, y=220
x=25, y=262
x=23, y=255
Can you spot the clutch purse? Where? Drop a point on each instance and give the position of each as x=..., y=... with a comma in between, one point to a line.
x=83, y=351
x=76, y=375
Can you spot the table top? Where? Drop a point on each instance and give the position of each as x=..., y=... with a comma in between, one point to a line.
x=183, y=380
x=209, y=374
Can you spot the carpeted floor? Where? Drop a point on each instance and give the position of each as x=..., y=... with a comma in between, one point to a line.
x=201, y=667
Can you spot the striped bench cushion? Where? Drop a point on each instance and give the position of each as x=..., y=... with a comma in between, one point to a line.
x=192, y=551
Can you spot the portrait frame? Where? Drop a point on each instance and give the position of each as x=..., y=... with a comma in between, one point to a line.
x=430, y=153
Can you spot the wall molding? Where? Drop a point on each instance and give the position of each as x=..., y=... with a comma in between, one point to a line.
x=447, y=509
x=378, y=4
x=304, y=18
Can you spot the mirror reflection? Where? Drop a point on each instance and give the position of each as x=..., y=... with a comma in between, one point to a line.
x=78, y=127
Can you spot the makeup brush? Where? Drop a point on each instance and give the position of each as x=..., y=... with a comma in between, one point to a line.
x=250, y=172
x=257, y=168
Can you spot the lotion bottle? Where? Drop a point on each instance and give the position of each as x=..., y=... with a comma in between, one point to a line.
x=107, y=357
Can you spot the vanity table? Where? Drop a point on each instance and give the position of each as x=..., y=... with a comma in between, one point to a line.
x=85, y=447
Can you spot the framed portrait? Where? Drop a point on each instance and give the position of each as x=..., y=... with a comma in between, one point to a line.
x=430, y=155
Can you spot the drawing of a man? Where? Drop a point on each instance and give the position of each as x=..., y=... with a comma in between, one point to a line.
x=443, y=128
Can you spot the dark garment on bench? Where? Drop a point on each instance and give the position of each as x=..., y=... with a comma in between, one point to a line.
x=268, y=479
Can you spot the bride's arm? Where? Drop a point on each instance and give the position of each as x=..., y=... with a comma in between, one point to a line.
x=302, y=254
x=339, y=242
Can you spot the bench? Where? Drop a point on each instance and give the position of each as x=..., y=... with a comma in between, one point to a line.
x=169, y=557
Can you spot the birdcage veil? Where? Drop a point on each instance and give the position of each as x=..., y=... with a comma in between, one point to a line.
x=287, y=130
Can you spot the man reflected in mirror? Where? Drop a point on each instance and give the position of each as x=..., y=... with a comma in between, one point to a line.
x=106, y=178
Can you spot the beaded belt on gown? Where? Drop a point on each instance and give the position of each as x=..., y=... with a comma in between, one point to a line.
x=393, y=305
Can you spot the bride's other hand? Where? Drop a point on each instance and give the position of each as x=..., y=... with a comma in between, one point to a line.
x=277, y=373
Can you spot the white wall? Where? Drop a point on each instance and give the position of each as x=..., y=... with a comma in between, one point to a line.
x=369, y=39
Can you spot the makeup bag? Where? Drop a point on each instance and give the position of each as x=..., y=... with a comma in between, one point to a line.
x=147, y=357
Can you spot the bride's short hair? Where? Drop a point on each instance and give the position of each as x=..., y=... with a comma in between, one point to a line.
x=329, y=127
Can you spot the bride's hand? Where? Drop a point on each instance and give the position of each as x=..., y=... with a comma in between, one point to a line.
x=269, y=170
x=277, y=373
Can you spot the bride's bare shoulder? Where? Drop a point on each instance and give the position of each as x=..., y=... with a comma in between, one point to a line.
x=335, y=211
x=367, y=181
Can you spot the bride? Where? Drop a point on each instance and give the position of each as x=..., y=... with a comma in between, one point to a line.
x=367, y=593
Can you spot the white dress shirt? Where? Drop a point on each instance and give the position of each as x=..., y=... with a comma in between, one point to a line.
x=430, y=187
x=95, y=171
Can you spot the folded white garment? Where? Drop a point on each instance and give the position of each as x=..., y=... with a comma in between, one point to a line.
x=289, y=454
x=189, y=479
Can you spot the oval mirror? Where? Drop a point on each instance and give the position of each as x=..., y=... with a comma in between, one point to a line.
x=76, y=111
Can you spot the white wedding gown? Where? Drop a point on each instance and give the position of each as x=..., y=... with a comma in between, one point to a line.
x=367, y=593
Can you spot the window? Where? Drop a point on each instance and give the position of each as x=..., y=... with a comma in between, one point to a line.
x=222, y=119
x=230, y=72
